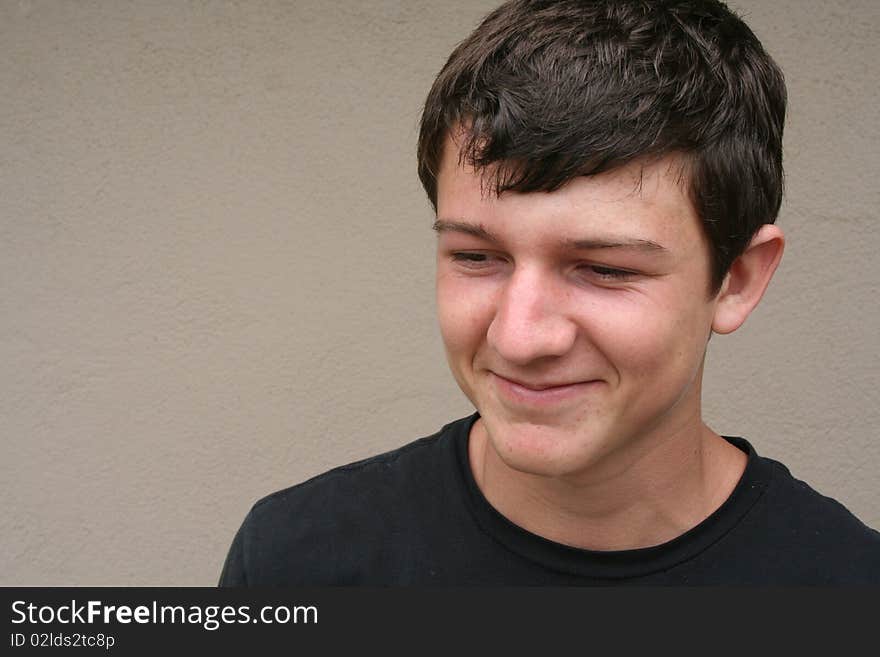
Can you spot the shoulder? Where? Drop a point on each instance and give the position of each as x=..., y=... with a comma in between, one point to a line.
x=316, y=531
x=817, y=533
x=807, y=507
x=359, y=485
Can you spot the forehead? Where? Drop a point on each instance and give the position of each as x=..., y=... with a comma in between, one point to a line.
x=643, y=200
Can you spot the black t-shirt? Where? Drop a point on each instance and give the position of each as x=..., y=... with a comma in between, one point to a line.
x=415, y=516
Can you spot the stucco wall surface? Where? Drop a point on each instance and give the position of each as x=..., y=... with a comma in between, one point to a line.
x=216, y=267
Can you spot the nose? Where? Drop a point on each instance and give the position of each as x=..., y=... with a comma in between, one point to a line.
x=530, y=321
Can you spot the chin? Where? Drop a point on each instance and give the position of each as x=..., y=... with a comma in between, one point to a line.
x=541, y=450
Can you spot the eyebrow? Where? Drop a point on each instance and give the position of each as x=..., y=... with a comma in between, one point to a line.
x=479, y=231
x=630, y=244
x=475, y=230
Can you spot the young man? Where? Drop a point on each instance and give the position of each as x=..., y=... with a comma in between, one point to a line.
x=606, y=174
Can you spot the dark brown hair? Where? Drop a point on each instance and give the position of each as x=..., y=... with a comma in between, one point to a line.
x=547, y=90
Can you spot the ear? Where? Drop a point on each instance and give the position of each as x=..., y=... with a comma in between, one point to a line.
x=748, y=278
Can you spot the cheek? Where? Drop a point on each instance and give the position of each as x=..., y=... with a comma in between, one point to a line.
x=463, y=314
x=647, y=340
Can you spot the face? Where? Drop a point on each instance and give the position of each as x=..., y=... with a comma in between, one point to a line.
x=576, y=320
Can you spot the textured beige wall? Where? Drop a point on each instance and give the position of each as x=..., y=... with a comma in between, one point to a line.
x=216, y=267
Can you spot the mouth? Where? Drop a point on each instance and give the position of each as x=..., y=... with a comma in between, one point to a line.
x=538, y=393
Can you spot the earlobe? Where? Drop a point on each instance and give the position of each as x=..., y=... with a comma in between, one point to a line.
x=748, y=279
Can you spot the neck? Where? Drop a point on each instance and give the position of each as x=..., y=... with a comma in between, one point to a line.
x=663, y=487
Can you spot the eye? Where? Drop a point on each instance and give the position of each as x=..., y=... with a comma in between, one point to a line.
x=462, y=256
x=603, y=273
x=474, y=260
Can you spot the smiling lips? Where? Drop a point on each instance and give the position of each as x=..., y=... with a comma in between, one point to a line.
x=538, y=394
